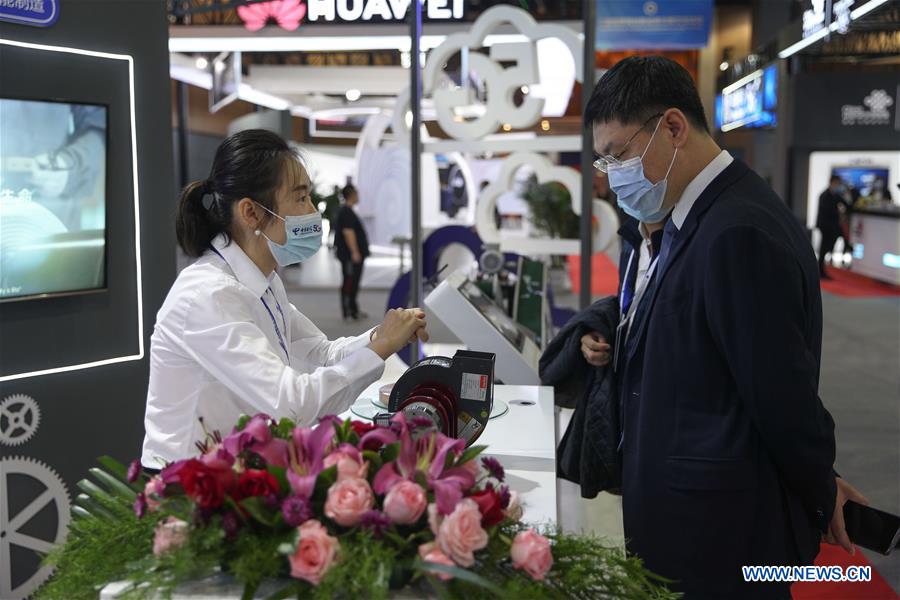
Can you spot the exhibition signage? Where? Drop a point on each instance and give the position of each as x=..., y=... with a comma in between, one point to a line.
x=350, y=11
x=750, y=104
x=822, y=13
x=289, y=14
x=639, y=24
x=37, y=13
x=847, y=110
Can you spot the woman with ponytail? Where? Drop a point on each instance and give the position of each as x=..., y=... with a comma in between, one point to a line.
x=227, y=339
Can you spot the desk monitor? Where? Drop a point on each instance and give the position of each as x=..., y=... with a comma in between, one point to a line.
x=484, y=326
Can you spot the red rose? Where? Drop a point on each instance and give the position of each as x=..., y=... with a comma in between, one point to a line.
x=360, y=428
x=256, y=482
x=204, y=485
x=488, y=502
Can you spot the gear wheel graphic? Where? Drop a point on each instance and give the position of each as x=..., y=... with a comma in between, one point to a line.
x=20, y=416
x=54, y=493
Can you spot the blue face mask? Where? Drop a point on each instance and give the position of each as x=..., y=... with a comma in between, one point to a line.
x=635, y=194
x=303, y=238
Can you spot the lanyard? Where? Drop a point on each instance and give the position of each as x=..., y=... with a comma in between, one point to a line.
x=271, y=315
x=275, y=324
x=623, y=330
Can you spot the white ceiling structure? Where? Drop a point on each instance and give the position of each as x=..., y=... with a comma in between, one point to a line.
x=322, y=92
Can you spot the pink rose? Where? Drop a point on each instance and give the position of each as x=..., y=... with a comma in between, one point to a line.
x=431, y=553
x=153, y=491
x=405, y=503
x=531, y=551
x=435, y=518
x=514, y=511
x=349, y=464
x=315, y=553
x=348, y=500
x=170, y=534
x=461, y=534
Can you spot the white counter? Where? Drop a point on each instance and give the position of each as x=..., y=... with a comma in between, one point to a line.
x=876, y=244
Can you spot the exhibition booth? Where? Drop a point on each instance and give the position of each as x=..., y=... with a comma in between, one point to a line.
x=819, y=102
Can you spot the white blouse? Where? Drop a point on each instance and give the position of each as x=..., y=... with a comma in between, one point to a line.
x=228, y=342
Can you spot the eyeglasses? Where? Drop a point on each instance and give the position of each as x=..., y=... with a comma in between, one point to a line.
x=603, y=163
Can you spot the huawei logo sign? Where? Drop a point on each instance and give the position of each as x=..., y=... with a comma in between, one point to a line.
x=287, y=14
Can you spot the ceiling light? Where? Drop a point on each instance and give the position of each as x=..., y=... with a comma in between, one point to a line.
x=353, y=95
x=293, y=43
x=507, y=127
x=723, y=66
x=545, y=125
x=524, y=89
x=202, y=63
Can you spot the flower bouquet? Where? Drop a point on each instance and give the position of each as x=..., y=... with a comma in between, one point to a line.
x=341, y=509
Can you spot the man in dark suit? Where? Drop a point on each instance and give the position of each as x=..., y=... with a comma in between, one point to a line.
x=828, y=220
x=727, y=450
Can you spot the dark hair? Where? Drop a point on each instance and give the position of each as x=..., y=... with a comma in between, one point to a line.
x=348, y=191
x=248, y=164
x=638, y=87
x=835, y=178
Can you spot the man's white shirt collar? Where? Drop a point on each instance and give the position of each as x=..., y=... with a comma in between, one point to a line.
x=697, y=185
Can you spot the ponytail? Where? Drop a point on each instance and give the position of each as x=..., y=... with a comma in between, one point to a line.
x=196, y=225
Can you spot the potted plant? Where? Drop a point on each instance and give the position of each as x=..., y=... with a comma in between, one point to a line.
x=550, y=208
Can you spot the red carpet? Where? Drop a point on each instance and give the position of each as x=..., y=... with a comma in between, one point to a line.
x=853, y=285
x=877, y=589
x=605, y=280
x=604, y=275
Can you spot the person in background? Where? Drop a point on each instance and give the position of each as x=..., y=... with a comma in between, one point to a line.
x=352, y=247
x=727, y=451
x=832, y=203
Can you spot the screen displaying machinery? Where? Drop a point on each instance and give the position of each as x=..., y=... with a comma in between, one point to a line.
x=52, y=198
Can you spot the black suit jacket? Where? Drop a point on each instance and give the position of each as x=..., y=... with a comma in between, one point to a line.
x=727, y=449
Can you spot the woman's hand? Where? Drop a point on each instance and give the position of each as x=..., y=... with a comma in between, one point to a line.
x=401, y=326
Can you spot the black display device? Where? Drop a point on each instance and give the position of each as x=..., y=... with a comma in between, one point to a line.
x=871, y=528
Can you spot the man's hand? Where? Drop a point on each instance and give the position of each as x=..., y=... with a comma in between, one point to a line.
x=837, y=531
x=595, y=349
x=356, y=257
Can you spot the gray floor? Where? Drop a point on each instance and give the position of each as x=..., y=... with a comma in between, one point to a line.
x=860, y=386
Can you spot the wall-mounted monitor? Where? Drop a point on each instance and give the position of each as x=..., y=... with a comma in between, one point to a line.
x=751, y=104
x=865, y=182
x=52, y=198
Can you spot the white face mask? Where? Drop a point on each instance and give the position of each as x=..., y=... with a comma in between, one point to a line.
x=635, y=194
x=303, y=237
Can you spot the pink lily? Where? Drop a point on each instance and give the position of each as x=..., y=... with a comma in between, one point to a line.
x=307, y=453
x=427, y=455
x=255, y=432
x=256, y=436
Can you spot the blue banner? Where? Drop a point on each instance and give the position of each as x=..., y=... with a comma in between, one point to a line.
x=37, y=13
x=653, y=24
